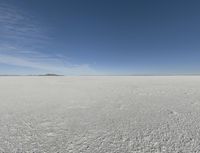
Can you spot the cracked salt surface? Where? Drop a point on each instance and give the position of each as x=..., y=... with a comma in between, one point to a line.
x=100, y=114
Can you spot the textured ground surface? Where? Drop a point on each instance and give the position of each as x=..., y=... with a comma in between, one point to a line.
x=100, y=114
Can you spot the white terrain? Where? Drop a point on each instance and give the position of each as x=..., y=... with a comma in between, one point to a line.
x=100, y=114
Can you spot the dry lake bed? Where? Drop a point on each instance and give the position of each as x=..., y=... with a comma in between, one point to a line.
x=100, y=114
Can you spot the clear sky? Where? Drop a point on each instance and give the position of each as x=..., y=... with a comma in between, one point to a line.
x=78, y=37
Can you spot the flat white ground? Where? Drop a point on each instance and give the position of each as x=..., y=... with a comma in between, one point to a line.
x=100, y=114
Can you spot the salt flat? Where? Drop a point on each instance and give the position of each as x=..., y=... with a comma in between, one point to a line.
x=100, y=114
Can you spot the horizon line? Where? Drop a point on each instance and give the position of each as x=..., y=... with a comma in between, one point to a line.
x=52, y=74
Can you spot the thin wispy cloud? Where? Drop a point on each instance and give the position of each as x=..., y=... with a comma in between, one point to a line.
x=16, y=26
x=21, y=36
x=49, y=64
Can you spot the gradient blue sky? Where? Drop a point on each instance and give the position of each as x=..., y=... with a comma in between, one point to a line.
x=78, y=37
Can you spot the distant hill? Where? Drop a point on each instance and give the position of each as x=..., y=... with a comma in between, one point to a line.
x=48, y=74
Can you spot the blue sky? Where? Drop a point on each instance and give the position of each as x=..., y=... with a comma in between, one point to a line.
x=119, y=37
